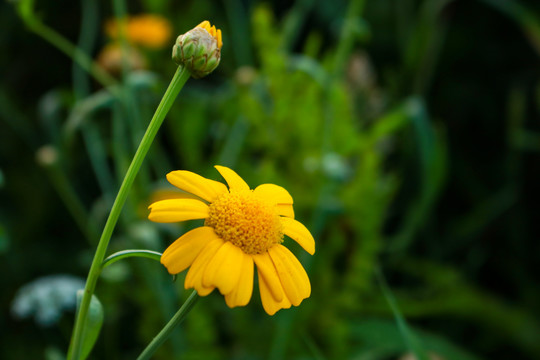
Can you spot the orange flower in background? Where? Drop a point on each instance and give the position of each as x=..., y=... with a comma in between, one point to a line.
x=152, y=31
x=112, y=58
x=243, y=228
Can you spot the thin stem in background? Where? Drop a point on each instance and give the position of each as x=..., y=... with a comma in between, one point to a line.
x=237, y=16
x=342, y=52
x=82, y=87
x=347, y=36
x=408, y=336
x=64, y=45
x=86, y=42
x=167, y=330
x=73, y=203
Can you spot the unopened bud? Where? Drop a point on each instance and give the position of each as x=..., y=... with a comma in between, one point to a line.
x=199, y=50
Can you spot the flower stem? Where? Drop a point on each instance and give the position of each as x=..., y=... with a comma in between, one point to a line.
x=149, y=254
x=167, y=330
x=177, y=82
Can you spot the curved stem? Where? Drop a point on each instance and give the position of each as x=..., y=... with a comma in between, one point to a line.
x=154, y=255
x=166, y=331
x=178, y=81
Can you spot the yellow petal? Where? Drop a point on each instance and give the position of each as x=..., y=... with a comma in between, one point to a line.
x=278, y=196
x=223, y=271
x=270, y=305
x=219, y=39
x=196, y=271
x=274, y=194
x=234, y=181
x=241, y=294
x=292, y=275
x=181, y=254
x=196, y=184
x=299, y=233
x=285, y=210
x=205, y=24
x=174, y=210
x=266, y=270
x=167, y=194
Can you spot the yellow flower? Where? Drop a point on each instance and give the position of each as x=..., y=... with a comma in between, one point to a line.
x=148, y=30
x=242, y=227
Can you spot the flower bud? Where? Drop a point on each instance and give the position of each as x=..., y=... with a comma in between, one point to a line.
x=199, y=50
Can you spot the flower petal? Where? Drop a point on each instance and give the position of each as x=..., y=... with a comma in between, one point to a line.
x=174, y=210
x=291, y=273
x=274, y=194
x=270, y=305
x=167, y=194
x=195, y=184
x=241, y=294
x=299, y=233
x=234, y=181
x=285, y=210
x=267, y=270
x=181, y=253
x=196, y=271
x=223, y=271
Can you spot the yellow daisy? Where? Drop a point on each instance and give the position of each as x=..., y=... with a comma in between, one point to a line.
x=242, y=227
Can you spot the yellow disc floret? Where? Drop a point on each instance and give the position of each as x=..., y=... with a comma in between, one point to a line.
x=245, y=220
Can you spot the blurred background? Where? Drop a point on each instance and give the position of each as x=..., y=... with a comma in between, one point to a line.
x=407, y=131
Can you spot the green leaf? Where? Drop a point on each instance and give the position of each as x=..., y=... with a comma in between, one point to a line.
x=409, y=337
x=93, y=323
x=382, y=338
x=433, y=166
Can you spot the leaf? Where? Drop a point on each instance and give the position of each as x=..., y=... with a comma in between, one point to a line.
x=93, y=323
x=409, y=337
x=383, y=338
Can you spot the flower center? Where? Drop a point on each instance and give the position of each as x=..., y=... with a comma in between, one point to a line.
x=245, y=220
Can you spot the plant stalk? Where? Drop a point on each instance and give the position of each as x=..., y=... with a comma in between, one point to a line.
x=167, y=330
x=177, y=82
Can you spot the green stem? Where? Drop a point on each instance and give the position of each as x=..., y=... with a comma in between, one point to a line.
x=178, y=81
x=167, y=330
x=154, y=255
